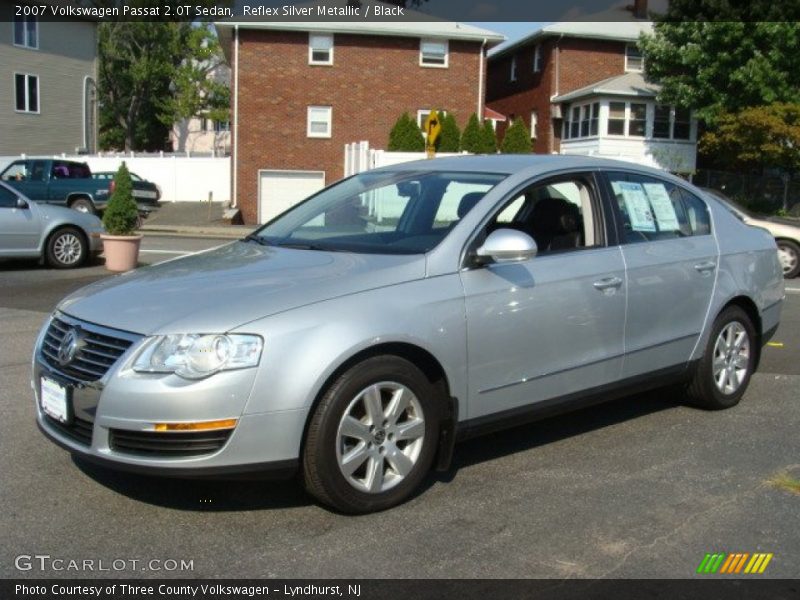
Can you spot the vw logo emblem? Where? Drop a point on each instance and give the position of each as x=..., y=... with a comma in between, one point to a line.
x=69, y=347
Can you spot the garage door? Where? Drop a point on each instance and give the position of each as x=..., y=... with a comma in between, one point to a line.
x=279, y=190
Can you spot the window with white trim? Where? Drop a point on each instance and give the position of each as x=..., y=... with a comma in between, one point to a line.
x=26, y=92
x=534, y=124
x=512, y=76
x=582, y=121
x=320, y=121
x=634, y=61
x=26, y=32
x=671, y=123
x=627, y=118
x=537, y=58
x=320, y=48
x=433, y=53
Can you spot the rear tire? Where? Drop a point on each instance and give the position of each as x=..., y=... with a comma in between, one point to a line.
x=372, y=438
x=66, y=248
x=789, y=255
x=724, y=372
x=83, y=205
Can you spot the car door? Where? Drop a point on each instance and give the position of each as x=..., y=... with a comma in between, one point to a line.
x=36, y=186
x=552, y=325
x=671, y=261
x=19, y=227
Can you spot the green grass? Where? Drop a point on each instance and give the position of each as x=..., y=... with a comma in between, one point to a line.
x=785, y=481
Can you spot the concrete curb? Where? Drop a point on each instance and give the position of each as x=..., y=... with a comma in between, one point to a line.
x=232, y=232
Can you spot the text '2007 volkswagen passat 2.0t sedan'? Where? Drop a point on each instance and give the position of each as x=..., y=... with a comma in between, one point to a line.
x=356, y=337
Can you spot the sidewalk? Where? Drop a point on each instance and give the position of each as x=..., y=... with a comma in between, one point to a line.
x=193, y=219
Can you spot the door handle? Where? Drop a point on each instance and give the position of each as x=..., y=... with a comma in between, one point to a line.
x=607, y=283
x=709, y=265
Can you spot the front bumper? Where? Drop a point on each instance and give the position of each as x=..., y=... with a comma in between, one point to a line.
x=112, y=422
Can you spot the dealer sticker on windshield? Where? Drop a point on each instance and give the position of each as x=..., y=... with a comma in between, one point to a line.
x=54, y=400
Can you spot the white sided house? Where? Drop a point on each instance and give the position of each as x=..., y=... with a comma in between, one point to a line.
x=619, y=118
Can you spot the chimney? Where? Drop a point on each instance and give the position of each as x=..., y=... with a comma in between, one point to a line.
x=640, y=9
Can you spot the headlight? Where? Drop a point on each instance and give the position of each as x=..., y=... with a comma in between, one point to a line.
x=195, y=356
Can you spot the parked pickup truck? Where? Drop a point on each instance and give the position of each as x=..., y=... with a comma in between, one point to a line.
x=69, y=183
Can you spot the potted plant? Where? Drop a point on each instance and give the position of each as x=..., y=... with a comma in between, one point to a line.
x=121, y=242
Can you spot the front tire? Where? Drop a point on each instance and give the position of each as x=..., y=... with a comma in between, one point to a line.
x=724, y=372
x=789, y=255
x=373, y=436
x=67, y=248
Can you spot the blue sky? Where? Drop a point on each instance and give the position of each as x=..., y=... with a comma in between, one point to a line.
x=513, y=31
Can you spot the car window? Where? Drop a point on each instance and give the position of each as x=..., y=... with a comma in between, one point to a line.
x=559, y=215
x=651, y=208
x=38, y=170
x=697, y=213
x=8, y=199
x=382, y=212
x=69, y=170
x=17, y=171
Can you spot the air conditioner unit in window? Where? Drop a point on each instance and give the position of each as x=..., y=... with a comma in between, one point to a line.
x=555, y=111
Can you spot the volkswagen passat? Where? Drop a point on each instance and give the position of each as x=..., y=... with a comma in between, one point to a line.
x=358, y=335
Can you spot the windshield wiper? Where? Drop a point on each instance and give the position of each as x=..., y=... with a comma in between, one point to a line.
x=253, y=237
x=309, y=246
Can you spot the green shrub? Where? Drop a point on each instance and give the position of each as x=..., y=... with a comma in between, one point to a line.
x=450, y=136
x=517, y=139
x=471, y=136
x=121, y=214
x=406, y=136
x=488, y=138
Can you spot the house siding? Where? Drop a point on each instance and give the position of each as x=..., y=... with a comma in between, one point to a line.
x=67, y=54
x=373, y=80
x=580, y=62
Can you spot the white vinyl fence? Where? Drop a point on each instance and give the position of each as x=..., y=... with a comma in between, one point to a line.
x=181, y=178
x=386, y=203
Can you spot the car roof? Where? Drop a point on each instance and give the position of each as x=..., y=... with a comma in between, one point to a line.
x=516, y=163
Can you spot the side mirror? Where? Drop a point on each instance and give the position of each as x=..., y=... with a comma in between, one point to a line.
x=22, y=203
x=508, y=245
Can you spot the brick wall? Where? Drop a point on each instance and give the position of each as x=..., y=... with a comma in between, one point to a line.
x=581, y=63
x=372, y=82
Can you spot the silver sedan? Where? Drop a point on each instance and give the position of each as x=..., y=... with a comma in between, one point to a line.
x=65, y=238
x=361, y=333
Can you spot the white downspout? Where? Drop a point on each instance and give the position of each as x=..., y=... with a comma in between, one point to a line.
x=235, y=158
x=480, y=81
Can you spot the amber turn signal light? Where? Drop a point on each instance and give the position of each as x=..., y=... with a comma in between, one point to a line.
x=199, y=426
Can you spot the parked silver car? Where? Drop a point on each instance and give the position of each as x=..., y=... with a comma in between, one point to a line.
x=785, y=232
x=64, y=237
x=358, y=335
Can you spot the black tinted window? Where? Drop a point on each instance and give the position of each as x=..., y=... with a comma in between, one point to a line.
x=8, y=199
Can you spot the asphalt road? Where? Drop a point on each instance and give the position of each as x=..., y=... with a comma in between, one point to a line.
x=641, y=487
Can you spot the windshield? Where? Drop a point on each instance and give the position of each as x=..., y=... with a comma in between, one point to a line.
x=383, y=212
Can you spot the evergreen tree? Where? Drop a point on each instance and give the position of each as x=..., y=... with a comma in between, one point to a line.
x=412, y=139
x=471, y=136
x=517, y=139
x=121, y=214
x=488, y=138
x=450, y=136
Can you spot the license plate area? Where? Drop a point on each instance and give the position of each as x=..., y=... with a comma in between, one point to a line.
x=55, y=400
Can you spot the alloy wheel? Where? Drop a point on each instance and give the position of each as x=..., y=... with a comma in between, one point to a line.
x=67, y=248
x=731, y=357
x=380, y=437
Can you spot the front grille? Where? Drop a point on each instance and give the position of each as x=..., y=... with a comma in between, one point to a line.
x=78, y=430
x=99, y=348
x=167, y=443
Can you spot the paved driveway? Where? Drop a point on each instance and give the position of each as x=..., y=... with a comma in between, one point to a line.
x=641, y=487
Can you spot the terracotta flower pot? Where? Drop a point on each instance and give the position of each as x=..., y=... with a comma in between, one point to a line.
x=122, y=251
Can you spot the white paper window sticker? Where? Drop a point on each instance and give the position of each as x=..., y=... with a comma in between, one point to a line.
x=662, y=207
x=637, y=206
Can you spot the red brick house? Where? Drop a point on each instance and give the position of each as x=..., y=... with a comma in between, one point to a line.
x=579, y=88
x=301, y=91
